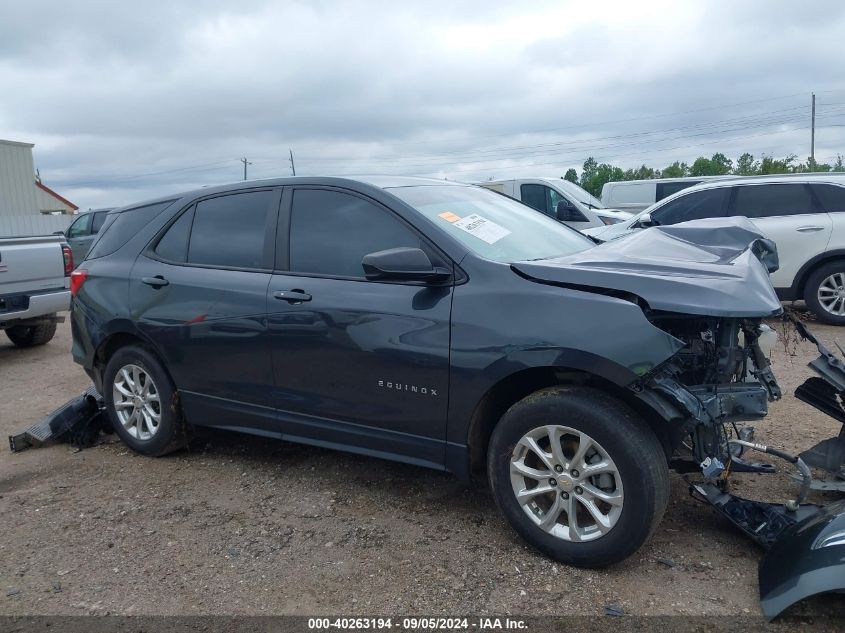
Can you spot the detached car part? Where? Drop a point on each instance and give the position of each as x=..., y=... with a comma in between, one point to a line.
x=77, y=422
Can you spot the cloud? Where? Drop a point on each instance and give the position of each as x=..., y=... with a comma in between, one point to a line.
x=126, y=103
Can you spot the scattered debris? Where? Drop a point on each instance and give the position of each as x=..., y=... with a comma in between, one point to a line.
x=613, y=610
x=668, y=562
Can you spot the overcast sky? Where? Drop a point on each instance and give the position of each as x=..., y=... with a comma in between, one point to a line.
x=127, y=101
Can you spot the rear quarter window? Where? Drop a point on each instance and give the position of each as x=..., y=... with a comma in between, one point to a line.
x=120, y=227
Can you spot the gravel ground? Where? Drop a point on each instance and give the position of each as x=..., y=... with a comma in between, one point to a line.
x=241, y=525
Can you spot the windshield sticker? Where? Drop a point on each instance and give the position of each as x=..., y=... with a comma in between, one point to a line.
x=449, y=216
x=482, y=228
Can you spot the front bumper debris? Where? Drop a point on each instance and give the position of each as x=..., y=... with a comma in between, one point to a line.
x=77, y=422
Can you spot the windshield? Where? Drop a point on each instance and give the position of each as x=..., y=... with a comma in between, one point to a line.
x=491, y=224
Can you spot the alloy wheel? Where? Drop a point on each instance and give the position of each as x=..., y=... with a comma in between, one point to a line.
x=136, y=402
x=831, y=294
x=566, y=483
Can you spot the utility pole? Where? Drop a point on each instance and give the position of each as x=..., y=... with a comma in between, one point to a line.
x=813, y=133
x=245, y=162
x=292, y=166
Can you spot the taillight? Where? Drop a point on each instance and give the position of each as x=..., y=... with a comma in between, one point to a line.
x=68, y=255
x=77, y=278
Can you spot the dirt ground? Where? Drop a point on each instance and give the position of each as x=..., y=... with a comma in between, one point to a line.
x=240, y=525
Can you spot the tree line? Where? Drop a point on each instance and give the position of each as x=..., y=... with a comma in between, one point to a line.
x=595, y=174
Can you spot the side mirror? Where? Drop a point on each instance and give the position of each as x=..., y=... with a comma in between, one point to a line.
x=565, y=211
x=645, y=221
x=402, y=264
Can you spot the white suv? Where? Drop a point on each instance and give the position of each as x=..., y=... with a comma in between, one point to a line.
x=803, y=214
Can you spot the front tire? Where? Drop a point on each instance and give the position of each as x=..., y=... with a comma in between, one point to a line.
x=578, y=475
x=32, y=335
x=141, y=402
x=824, y=293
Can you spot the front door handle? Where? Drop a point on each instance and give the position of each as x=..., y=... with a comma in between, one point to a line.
x=292, y=296
x=156, y=282
x=809, y=229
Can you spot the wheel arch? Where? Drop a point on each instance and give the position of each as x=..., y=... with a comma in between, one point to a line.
x=116, y=340
x=514, y=387
x=812, y=266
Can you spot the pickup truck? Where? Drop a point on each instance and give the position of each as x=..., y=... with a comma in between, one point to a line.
x=34, y=287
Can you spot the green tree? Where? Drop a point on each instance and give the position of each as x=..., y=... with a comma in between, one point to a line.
x=571, y=175
x=746, y=165
x=641, y=173
x=838, y=166
x=675, y=170
x=594, y=175
x=701, y=166
x=720, y=165
x=772, y=165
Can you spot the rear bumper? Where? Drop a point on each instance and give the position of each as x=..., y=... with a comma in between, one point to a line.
x=39, y=305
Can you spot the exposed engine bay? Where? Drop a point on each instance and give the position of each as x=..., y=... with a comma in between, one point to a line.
x=722, y=377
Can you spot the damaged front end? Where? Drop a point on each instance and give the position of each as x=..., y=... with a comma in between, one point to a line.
x=720, y=377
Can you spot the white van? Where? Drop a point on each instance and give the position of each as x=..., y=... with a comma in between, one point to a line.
x=560, y=199
x=636, y=195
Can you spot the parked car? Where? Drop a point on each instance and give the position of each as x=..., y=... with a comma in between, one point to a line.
x=559, y=199
x=438, y=324
x=81, y=233
x=635, y=195
x=803, y=214
x=34, y=282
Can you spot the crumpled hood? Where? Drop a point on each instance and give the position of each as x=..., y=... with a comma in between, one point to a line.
x=714, y=267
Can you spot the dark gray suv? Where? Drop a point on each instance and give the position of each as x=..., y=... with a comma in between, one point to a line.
x=437, y=324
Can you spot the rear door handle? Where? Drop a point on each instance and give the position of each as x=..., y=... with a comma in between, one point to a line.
x=292, y=296
x=156, y=282
x=809, y=229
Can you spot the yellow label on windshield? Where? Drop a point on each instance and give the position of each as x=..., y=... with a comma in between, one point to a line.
x=449, y=216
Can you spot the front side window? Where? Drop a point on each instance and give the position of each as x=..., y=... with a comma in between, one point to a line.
x=97, y=222
x=331, y=231
x=491, y=225
x=831, y=197
x=230, y=231
x=81, y=227
x=693, y=206
x=764, y=201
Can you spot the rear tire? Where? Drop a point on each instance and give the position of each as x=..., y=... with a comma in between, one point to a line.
x=32, y=335
x=142, y=402
x=615, y=511
x=824, y=293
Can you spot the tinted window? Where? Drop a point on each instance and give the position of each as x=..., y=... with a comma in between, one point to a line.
x=230, y=231
x=693, y=206
x=763, y=201
x=173, y=245
x=120, y=227
x=99, y=219
x=666, y=189
x=535, y=197
x=82, y=226
x=831, y=197
x=330, y=232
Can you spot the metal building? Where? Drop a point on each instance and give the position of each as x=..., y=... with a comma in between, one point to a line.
x=27, y=206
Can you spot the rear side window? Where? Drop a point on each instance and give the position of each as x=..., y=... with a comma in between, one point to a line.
x=173, y=246
x=99, y=219
x=119, y=228
x=765, y=201
x=710, y=203
x=666, y=189
x=230, y=231
x=831, y=197
x=330, y=232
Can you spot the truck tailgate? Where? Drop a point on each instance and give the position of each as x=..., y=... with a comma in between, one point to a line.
x=31, y=265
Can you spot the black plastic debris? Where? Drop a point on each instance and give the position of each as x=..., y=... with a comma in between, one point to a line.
x=77, y=422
